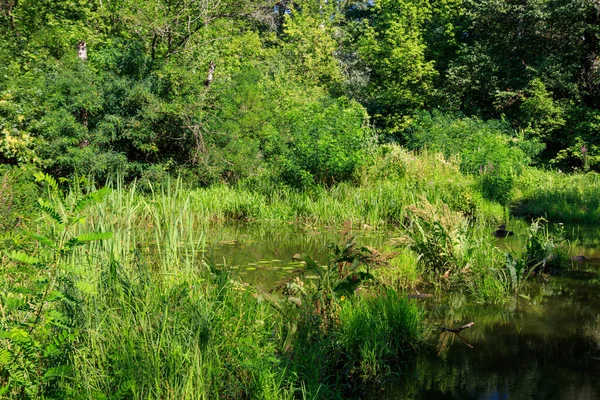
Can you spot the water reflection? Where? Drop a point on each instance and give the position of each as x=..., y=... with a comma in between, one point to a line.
x=544, y=347
x=262, y=254
x=547, y=348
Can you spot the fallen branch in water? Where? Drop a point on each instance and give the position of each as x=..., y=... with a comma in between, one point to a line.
x=457, y=330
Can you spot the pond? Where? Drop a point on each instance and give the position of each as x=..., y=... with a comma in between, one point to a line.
x=262, y=254
x=546, y=346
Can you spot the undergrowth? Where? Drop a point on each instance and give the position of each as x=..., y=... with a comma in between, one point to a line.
x=558, y=197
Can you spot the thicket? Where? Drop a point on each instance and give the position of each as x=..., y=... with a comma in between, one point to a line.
x=301, y=91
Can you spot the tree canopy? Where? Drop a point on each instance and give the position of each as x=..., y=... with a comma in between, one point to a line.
x=301, y=89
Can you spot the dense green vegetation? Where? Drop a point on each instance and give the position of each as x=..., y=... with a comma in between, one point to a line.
x=301, y=90
x=108, y=293
x=437, y=119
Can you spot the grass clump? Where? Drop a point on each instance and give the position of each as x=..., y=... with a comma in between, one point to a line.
x=456, y=252
x=187, y=336
x=375, y=331
x=558, y=197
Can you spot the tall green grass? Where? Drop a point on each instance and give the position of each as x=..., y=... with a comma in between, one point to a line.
x=377, y=330
x=378, y=197
x=558, y=197
x=157, y=321
x=153, y=319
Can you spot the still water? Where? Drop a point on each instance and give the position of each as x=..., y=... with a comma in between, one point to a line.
x=546, y=346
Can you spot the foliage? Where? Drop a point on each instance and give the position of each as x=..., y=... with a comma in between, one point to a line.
x=388, y=40
x=546, y=248
x=41, y=296
x=17, y=194
x=514, y=60
x=310, y=41
x=544, y=252
x=489, y=149
x=455, y=252
x=558, y=197
x=311, y=139
x=335, y=324
x=292, y=84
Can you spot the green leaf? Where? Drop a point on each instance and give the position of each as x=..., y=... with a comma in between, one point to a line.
x=89, y=200
x=86, y=287
x=73, y=242
x=51, y=211
x=57, y=372
x=22, y=257
x=6, y=357
x=90, y=237
x=49, y=180
x=42, y=239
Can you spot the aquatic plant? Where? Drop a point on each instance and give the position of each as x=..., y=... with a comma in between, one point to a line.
x=454, y=251
x=377, y=330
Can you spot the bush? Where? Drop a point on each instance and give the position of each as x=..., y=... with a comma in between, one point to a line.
x=18, y=192
x=489, y=150
x=312, y=139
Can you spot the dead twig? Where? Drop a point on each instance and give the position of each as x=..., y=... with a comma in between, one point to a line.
x=457, y=330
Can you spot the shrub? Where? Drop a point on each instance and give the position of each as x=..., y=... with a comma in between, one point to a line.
x=489, y=150
x=40, y=293
x=17, y=194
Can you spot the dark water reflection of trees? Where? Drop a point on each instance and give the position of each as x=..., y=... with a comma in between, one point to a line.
x=544, y=348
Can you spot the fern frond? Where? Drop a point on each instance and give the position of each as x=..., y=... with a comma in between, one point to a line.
x=72, y=243
x=6, y=357
x=57, y=372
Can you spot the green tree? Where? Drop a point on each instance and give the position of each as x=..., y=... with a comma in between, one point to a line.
x=389, y=42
